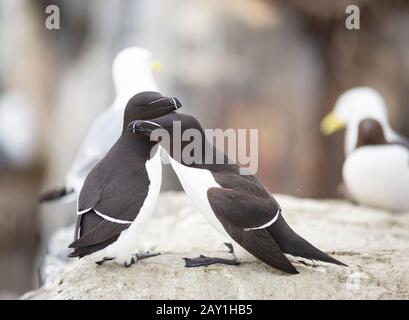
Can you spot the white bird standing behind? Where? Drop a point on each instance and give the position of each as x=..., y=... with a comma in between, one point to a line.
x=376, y=168
x=132, y=72
x=17, y=147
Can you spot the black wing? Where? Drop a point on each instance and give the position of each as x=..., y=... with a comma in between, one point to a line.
x=94, y=233
x=111, y=197
x=243, y=201
x=238, y=211
x=116, y=187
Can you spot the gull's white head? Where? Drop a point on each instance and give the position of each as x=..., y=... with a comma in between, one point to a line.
x=132, y=71
x=352, y=107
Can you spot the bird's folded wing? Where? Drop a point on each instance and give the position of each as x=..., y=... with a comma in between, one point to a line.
x=115, y=193
x=261, y=245
x=246, y=184
x=242, y=210
x=100, y=233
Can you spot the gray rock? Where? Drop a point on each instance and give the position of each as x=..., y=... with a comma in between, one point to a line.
x=56, y=257
x=373, y=243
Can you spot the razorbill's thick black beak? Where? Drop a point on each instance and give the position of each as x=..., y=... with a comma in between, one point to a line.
x=143, y=126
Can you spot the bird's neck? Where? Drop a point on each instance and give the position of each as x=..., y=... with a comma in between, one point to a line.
x=202, y=155
x=138, y=143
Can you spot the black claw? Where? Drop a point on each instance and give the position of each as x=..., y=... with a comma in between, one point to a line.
x=127, y=265
x=146, y=255
x=230, y=247
x=140, y=256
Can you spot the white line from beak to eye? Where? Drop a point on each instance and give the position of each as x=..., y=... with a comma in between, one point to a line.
x=133, y=127
x=152, y=102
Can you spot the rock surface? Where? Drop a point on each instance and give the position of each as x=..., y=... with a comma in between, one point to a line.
x=373, y=243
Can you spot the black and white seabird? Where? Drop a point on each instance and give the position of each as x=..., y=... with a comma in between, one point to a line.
x=121, y=191
x=376, y=167
x=238, y=206
x=132, y=72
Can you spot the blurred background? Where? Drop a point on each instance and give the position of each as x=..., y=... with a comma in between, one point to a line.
x=278, y=66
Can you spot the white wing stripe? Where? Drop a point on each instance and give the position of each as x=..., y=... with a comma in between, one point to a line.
x=112, y=219
x=83, y=211
x=152, y=102
x=104, y=216
x=267, y=224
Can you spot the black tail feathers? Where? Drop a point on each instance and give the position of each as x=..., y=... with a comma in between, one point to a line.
x=293, y=244
x=55, y=194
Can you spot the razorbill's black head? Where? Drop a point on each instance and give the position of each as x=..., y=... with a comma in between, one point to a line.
x=148, y=105
x=106, y=130
x=172, y=123
x=166, y=122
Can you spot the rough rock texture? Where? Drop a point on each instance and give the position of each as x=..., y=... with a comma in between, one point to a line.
x=373, y=243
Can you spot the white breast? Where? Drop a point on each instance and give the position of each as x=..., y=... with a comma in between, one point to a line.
x=379, y=176
x=196, y=182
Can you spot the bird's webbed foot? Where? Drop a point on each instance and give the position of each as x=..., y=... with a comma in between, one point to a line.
x=146, y=255
x=140, y=256
x=230, y=247
x=203, y=261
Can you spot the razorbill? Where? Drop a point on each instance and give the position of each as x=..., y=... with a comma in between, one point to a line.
x=376, y=168
x=238, y=206
x=121, y=191
x=132, y=73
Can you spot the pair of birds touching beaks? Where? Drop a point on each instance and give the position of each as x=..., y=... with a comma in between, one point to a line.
x=120, y=191
x=123, y=180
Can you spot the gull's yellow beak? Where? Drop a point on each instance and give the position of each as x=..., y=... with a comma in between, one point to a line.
x=156, y=65
x=331, y=124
